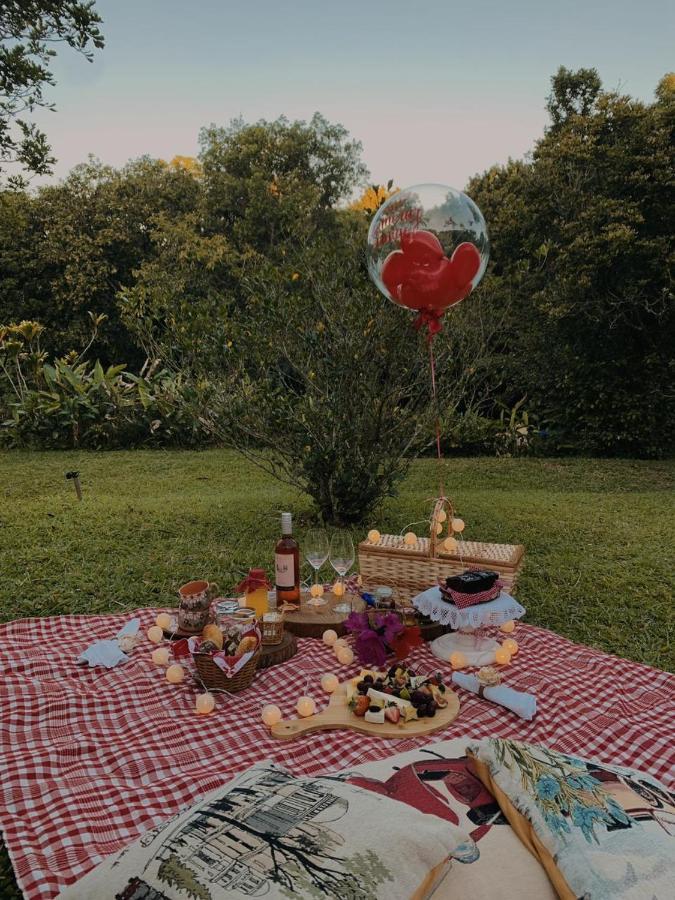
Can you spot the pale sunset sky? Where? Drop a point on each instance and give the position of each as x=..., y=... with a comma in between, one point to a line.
x=435, y=90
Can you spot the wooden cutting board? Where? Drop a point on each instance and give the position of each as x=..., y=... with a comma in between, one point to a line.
x=338, y=715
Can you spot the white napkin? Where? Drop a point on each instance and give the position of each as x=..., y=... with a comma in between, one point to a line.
x=108, y=653
x=522, y=704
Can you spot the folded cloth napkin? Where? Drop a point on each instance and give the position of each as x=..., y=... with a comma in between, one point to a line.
x=522, y=704
x=109, y=653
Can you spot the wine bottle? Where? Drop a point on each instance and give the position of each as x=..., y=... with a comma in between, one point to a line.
x=287, y=564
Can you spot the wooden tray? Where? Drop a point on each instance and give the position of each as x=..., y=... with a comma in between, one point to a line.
x=338, y=715
x=273, y=654
x=312, y=621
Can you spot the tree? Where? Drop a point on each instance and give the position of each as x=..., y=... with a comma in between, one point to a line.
x=373, y=197
x=572, y=94
x=582, y=239
x=71, y=247
x=271, y=183
x=28, y=31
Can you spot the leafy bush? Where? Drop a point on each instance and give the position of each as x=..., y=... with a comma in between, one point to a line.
x=314, y=375
x=71, y=402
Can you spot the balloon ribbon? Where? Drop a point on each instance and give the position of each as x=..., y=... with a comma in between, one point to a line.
x=431, y=318
x=439, y=454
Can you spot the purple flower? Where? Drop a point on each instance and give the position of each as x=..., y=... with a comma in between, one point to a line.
x=370, y=648
x=357, y=622
x=392, y=627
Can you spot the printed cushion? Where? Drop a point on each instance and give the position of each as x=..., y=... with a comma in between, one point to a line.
x=438, y=779
x=601, y=832
x=269, y=834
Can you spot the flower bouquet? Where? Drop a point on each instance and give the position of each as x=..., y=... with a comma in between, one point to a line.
x=379, y=634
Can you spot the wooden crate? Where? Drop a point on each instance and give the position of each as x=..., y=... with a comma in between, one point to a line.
x=414, y=568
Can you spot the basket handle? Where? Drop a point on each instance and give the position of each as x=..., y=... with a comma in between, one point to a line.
x=442, y=504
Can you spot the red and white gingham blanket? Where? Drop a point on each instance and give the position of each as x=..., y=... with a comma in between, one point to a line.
x=90, y=758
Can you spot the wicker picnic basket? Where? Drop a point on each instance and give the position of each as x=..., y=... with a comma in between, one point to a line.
x=215, y=679
x=412, y=568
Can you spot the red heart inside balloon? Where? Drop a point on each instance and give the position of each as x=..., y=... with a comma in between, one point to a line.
x=421, y=277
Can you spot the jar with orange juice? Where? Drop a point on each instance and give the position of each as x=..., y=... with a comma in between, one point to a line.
x=255, y=587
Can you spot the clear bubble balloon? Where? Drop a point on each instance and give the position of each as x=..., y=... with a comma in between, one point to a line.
x=428, y=249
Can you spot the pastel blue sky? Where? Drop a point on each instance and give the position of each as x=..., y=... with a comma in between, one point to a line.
x=435, y=90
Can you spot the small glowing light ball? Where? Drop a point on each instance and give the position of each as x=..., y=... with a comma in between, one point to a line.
x=163, y=621
x=457, y=525
x=374, y=535
x=160, y=656
x=271, y=714
x=450, y=544
x=329, y=683
x=439, y=528
x=510, y=645
x=508, y=627
x=442, y=516
x=305, y=707
x=205, y=704
x=458, y=660
x=338, y=589
x=175, y=673
x=155, y=634
x=410, y=538
x=502, y=656
x=339, y=642
x=345, y=656
x=316, y=590
x=329, y=637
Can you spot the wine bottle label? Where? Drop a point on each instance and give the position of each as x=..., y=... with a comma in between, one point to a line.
x=285, y=570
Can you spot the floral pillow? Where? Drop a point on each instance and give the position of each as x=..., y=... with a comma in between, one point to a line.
x=601, y=832
x=269, y=834
x=438, y=779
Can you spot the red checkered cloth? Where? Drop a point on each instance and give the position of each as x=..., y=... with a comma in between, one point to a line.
x=90, y=758
x=464, y=601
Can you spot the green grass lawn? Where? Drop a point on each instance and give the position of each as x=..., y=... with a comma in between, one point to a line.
x=599, y=564
x=598, y=533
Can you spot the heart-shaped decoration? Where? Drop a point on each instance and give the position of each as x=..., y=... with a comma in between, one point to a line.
x=419, y=275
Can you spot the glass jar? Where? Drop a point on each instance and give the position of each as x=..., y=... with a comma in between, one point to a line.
x=384, y=597
x=224, y=609
x=236, y=626
x=272, y=627
x=256, y=587
x=245, y=616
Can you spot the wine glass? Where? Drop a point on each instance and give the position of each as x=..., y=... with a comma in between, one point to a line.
x=316, y=554
x=342, y=559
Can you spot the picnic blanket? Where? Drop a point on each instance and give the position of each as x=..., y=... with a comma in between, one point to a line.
x=91, y=758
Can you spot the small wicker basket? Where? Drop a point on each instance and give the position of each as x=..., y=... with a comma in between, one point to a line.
x=215, y=679
x=410, y=569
